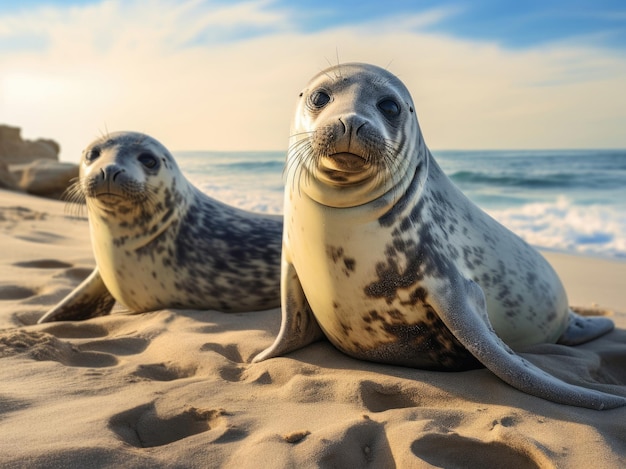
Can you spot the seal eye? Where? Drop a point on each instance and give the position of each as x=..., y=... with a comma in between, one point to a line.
x=389, y=107
x=148, y=160
x=92, y=155
x=319, y=99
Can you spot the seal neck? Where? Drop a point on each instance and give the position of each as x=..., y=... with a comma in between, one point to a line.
x=384, y=203
x=412, y=186
x=135, y=225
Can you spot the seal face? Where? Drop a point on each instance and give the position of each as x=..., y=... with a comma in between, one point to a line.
x=159, y=242
x=385, y=257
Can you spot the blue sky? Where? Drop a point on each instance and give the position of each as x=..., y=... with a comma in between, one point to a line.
x=485, y=74
x=509, y=23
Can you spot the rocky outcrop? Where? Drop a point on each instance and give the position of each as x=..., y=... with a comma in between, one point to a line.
x=15, y=150
x=7, y=180
x=45, y=178
x=32, y=165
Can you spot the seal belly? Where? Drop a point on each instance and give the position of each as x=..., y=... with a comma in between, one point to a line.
x=404, y=330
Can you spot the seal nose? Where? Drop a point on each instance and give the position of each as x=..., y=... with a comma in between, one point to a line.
x=352, y=123
x=110, y=172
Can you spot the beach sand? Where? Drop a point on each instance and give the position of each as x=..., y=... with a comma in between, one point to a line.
x=176, y=388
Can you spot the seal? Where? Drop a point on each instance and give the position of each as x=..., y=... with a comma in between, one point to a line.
x=159, y=242
x=385, y=257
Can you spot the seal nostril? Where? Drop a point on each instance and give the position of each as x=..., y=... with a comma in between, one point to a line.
x=345, y=127
x=111, y=172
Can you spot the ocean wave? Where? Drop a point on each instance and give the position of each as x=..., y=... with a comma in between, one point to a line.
x=561, y=225
x=250, y=166
x=531, y=180
x=257, y=201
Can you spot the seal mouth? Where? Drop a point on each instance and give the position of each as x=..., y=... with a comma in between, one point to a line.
x=345, y=162
x=107, y=194
x=108, y=198
x=344, y=168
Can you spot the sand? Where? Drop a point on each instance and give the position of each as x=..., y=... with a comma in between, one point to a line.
x=176, y=388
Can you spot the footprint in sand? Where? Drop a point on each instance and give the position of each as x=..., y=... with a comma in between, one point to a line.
x=44, y=237
x=164, y=372
x=41, y=346
x=117, y=345
x=145, y=427
x=228, y=362
x=362, y=443
x=230, y=351
x=77, y=274
x=43, y=264
x=377, y=397
x=47, y=295
x=14, y=215
x=15, y=292
x=455, y=451
x=76, y=330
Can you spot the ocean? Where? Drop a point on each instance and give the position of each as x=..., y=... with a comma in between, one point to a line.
x=565, y=200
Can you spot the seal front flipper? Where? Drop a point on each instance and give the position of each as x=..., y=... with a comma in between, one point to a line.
x=88, y=300
x=466, y=317
x=298, y=326
x=582, y=329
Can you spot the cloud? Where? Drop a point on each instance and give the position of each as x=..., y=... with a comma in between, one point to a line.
x=214, y=76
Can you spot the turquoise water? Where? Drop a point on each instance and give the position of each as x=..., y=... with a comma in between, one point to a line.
x=567, y=200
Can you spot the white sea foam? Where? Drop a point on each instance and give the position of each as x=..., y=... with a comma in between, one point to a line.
x=589, y=229
x=255, y=200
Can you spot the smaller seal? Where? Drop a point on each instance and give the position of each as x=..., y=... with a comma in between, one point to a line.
x=384, y=255
x=159, y=242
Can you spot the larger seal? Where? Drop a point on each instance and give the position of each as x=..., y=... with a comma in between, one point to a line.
x=384, y=256
x=159, y=242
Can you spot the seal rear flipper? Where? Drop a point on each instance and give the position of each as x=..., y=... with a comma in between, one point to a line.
x=582, y=329
x=466, y=317
x=298, y=326
x=88, y=300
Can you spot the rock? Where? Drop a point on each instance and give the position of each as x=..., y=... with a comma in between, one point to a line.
x=7, y=180
x=44, y=177
x=15, y=150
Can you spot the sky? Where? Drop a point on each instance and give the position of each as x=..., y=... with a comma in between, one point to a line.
x=225, y=75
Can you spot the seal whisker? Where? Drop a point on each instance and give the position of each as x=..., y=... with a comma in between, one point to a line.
x=74, y=198
x=299, y=155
